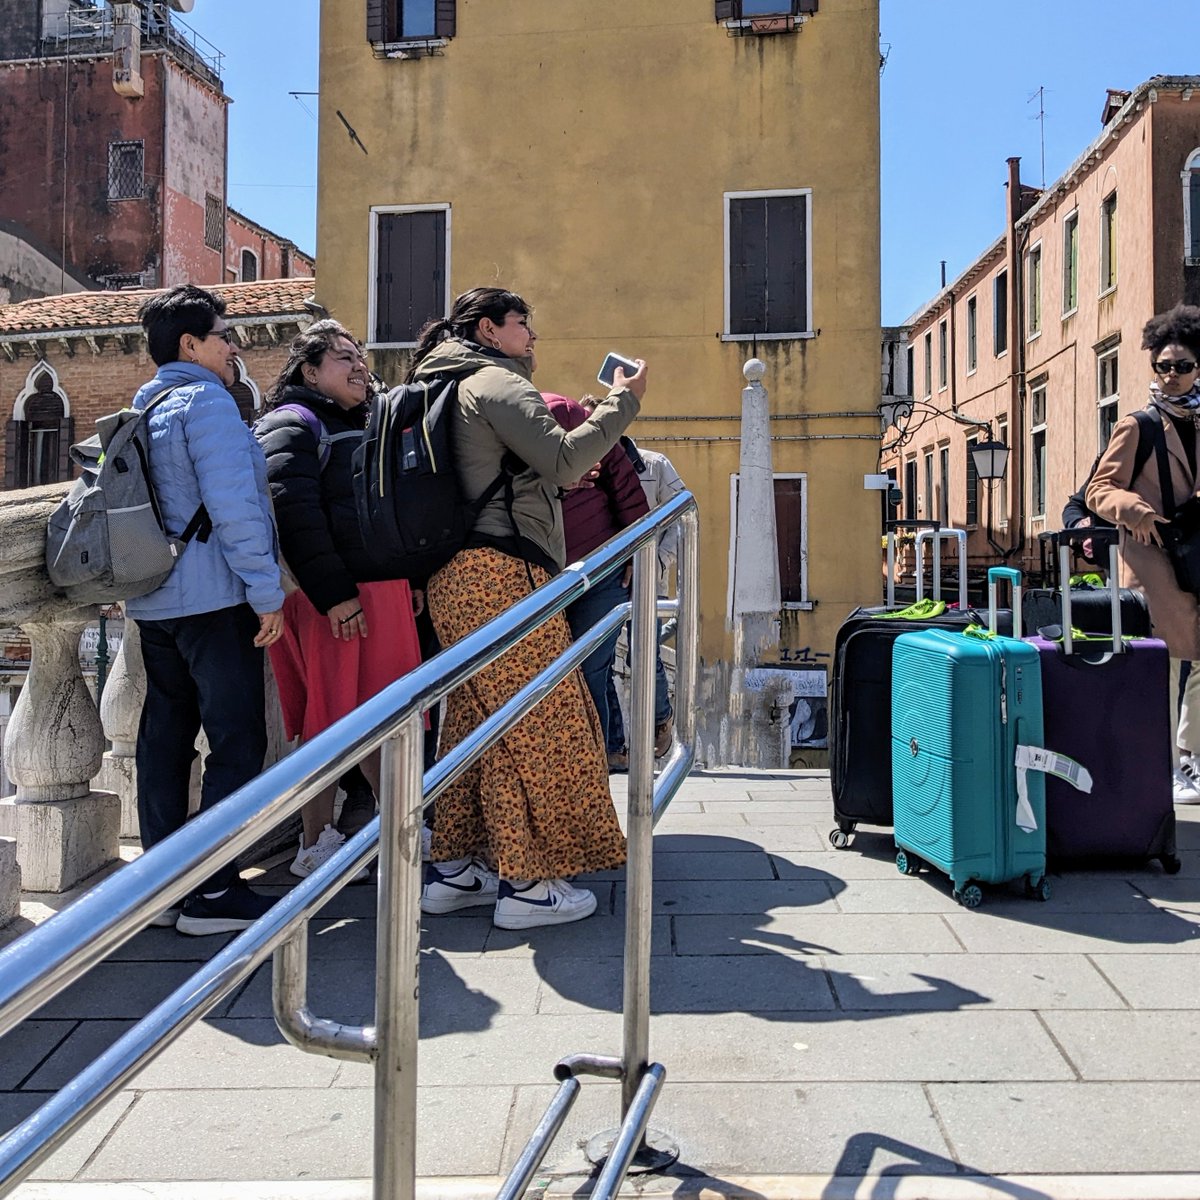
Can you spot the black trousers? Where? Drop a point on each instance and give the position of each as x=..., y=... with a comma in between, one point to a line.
x=200, y=670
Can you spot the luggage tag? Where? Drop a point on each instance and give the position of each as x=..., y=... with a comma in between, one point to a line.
x=1050, y=762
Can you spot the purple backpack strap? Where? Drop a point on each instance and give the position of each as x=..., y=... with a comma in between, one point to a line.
x=315, y=426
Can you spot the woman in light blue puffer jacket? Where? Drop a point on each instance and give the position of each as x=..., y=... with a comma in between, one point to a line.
x=203, y=630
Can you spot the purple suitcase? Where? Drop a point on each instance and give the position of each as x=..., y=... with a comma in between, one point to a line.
x=1106, y=706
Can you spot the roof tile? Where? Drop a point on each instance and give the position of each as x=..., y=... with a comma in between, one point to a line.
x=119, y=310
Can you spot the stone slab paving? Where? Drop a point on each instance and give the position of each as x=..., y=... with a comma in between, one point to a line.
x=820, y=1017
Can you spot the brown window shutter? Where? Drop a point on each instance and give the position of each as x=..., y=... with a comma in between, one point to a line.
x=444, y=18
x=806, y=6
x=789, y=515
x=66, y=435
x=375, y=21
x=726, y=10
x=16, y=447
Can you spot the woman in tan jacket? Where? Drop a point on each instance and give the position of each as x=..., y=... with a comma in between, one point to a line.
x=1136, y=506
x=536, y=806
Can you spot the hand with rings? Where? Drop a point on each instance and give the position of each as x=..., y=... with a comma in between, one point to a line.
x=347, y=621
x=270, y=628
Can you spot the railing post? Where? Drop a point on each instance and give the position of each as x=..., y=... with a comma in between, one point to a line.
x=639, y=869
x=397, y=962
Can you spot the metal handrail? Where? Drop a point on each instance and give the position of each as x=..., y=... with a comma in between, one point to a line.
x=48, y=959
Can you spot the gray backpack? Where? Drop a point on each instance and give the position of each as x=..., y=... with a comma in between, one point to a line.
x=106, y=540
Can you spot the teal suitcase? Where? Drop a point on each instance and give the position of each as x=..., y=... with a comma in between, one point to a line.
x=961, y=706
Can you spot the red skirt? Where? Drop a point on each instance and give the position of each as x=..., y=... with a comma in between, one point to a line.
x=322, y=677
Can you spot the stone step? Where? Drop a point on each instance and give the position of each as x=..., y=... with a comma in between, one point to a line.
x=10, y=881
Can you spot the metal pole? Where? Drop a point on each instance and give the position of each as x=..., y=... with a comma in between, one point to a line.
x=101, y=656
x=397, y=963
x=639, y=870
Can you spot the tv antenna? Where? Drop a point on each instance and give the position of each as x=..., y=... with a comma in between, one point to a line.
x=1040, y=97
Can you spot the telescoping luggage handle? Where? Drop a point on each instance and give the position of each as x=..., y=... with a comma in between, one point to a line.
x=995, y=575
x=923, y=535
x=937, y=536
x=1074, y=537
x=892, y=528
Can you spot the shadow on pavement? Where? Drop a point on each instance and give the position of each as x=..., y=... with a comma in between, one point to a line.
x=861, y=1149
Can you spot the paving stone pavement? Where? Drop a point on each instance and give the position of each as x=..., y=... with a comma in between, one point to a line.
x=820, y=1017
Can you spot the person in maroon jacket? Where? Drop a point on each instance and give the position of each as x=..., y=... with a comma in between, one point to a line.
x=591, y=515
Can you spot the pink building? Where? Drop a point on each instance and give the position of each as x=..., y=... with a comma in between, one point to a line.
x=1039, y=339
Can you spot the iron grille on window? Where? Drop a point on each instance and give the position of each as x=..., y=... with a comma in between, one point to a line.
x=214, y=222
x=249, y=266
x=126, y=170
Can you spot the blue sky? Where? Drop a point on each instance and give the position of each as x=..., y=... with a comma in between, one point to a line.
x=955, y=104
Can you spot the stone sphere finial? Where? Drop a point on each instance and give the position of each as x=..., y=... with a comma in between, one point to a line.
x=754, y=370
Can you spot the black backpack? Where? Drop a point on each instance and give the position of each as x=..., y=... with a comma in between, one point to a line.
x=411, y=509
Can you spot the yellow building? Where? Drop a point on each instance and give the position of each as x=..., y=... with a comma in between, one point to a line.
x=695, y=182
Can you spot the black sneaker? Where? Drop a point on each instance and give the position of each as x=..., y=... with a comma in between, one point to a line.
x=357, y=809
x=234, y=909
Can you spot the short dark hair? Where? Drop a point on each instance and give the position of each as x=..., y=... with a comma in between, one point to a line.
x=169, y=315
x=311, y=346
x=1180, y=325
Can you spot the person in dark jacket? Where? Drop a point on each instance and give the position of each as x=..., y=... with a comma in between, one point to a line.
x=322, y=664
x=591, y=515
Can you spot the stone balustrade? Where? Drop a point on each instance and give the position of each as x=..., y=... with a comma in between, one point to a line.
x=64, y=829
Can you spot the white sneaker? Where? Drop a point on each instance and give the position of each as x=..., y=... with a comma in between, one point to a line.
x=460, y=887
x=309, y=858
x=543, y=902
x=1184, y=789
x=167, y=918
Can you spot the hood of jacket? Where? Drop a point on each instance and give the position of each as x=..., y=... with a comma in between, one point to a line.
x=459, y=358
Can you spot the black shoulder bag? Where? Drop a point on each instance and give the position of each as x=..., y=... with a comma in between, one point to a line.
x=1180, y=529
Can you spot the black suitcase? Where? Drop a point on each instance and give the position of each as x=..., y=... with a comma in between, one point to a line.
x=860, y=700
x=1091, y=607
x=860, y=746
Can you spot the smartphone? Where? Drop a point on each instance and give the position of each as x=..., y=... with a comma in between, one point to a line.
x=608, y=368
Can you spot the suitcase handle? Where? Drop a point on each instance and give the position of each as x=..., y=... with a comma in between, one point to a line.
x=1114, y=588
x=937, y=536
x=1013, y=576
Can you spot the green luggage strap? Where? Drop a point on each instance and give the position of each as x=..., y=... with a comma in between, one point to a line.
x=922, y=610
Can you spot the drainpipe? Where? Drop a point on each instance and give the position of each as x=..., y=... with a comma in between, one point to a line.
x=1016, y=379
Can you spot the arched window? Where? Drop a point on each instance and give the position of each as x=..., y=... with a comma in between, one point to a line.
x=39, y=436
x=1191, y=207
x=249, y=266
x=245, y=392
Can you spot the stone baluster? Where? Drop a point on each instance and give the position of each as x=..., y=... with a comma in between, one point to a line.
x=120, y=712
x=54, y=743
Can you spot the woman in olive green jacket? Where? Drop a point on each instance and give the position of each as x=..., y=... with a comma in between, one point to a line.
x=536, y=807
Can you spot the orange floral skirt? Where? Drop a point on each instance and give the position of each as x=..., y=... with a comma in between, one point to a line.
x=536, y=804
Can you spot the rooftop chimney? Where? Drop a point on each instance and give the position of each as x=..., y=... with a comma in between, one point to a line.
x=1114, y=100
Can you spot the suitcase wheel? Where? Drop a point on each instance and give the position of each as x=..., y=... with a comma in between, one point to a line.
x=970, y=897
x=907, y=864
x=1038, y=891
x=839, y=838
x=1170, y=864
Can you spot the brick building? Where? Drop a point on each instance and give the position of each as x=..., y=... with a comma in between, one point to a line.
x=1039, y=339
x=66, y=360
x=121, y=179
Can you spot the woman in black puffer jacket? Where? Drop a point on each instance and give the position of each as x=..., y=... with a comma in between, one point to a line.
x=322, y=664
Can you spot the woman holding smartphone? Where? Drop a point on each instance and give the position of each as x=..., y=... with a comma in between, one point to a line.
x=536, y=807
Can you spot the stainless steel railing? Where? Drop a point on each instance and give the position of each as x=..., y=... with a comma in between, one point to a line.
x=48, y=959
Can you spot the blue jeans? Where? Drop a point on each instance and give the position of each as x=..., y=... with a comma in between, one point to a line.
x=200, y=670
x=662, y=700
x=597, y=667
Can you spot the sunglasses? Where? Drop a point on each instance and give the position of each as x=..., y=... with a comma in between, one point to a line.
x=226, y=335
x=1182, y=366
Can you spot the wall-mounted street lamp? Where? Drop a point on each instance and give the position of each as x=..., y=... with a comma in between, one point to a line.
x=990, y=458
